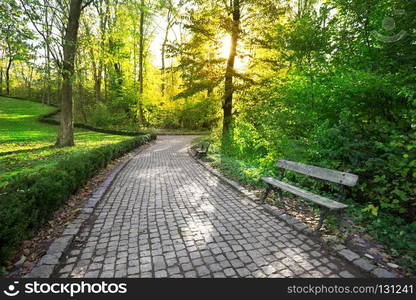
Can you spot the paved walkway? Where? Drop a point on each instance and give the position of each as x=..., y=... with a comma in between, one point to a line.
x=166, y=216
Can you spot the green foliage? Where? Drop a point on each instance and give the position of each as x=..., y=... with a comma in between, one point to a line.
x=14, y=31
x=339, y=98
x=320, y=82
x=101, y=116
x=196, y=113
x=113, y=116
x=238, y=170
x=397, y=234
x=31, y=197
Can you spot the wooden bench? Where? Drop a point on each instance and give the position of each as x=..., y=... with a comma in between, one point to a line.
x=202, y=149
x=327, y=205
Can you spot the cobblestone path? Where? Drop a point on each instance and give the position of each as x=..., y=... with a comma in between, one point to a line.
x=166, y=216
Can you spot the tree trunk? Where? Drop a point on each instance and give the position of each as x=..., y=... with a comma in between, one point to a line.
x=97, y=86
x=141, y=52
x=98, y=80
x=209, y=92
x=163, y=63
x=104, y=15
x=1, y=80
x=229, y=74
x=105, y=84
x=9, y=65
x=163, y=54
x=119, y=79
x=82, y=97
x=66, y=129
x=97, y=65
x=29, y=82
x=48, y=54
x=49, y=78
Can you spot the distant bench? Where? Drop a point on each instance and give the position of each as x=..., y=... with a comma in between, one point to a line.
x=327, y=205
x=202, y=149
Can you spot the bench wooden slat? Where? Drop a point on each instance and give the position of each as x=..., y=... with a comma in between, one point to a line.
x=321, y=173
x=328, y=203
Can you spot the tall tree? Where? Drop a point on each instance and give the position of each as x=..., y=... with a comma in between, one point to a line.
x=48, y=32
x=99, y=67
x=15, y=34
x=141, y=62
x=66, y=128
x=170, y=8
x=1, y=69
x=229, y=74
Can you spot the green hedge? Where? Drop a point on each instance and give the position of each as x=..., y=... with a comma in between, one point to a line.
x=30, y=199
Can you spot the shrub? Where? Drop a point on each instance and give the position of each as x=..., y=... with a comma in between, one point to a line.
x=29, y=199
x=101, y=116
x=345, y=120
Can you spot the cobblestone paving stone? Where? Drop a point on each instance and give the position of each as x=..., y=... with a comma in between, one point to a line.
x=166, y=216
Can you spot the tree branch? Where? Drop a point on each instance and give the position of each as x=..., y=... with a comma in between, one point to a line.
x=87, y=4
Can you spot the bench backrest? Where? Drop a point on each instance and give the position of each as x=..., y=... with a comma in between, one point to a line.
x=321, y=173
x=205, y=146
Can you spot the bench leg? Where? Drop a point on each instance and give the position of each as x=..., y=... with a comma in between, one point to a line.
x=279, y=194
x=265, y=194
x=340, y=219
x=324, y=214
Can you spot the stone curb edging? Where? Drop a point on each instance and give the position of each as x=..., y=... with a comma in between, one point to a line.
x=47, y=264
x=362, y=263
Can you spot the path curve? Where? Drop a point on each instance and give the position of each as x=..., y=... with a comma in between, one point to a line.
x=166, y=216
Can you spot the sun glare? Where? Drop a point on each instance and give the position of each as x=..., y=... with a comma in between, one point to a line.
x=240, y=64
x=225, y=46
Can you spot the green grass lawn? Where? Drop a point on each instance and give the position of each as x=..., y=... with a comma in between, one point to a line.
x=20, y=130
